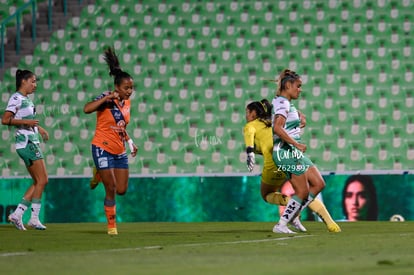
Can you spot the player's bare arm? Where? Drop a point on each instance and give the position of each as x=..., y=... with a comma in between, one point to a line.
x=279, y=129
x=92, y=106
x=8, y=119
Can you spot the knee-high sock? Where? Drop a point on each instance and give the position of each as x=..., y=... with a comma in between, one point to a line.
x=292, y=209
x=310, y=199
x=110, y=212
x=319, y=208
x=305, y=204
x=36, y=205
x=277, y=198
x=22, y=207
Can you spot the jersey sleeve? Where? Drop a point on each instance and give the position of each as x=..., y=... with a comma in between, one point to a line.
x=281, y=106
x=249, y=133
x=14, y=104
x=101, y=96
x=105, y=104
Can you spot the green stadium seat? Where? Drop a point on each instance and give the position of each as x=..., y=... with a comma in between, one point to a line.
x=384, y=159
x=406, y=25
x=315, y=147
x=14, y=167
x=213, y=163
x=197, y=64
x=357, y=160
x=407, y=155
x=327, y=162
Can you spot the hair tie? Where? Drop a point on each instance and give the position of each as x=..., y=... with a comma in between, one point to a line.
x=264, y=107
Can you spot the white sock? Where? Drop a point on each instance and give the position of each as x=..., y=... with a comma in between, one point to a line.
x=292, y=209
x=35, y=211
x=19, y=211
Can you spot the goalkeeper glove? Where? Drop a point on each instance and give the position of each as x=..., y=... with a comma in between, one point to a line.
x=251, y=161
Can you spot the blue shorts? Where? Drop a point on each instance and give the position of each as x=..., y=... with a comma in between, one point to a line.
x=106, y=160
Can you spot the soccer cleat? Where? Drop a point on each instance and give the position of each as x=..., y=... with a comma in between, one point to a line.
x=96, y=179
x=36, y=224
x=16, y=221
x=112, y=231
x=333, y=227
x=278, y=228
x=297, y=225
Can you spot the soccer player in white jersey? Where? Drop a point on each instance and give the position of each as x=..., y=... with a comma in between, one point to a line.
x=20, y=113
x=288, y=151
x=258, y=140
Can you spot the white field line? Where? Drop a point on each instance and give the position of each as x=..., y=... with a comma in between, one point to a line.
x=12, y=254
x=202, y=244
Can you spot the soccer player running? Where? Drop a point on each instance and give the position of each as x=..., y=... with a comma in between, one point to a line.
x=108, y=143
x=20, y=113
x=288, y=152
x=258, y=136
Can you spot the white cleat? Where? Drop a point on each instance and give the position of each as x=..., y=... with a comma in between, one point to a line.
x=298, y=225
x=278, y=228
x=16, y=221
x=36, y=224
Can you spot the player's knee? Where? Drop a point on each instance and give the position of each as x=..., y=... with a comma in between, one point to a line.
x=319, y=185
x=41, y=182
x=121, y=192
x=322, y=185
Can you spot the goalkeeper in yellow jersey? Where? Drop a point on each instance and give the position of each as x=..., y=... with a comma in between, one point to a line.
x=258, y=137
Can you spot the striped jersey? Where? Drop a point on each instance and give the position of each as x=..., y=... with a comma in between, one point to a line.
x=283, y=107
x=23, y=108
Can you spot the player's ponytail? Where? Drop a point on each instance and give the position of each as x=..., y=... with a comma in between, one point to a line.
x=266, y=114
x=115, y=70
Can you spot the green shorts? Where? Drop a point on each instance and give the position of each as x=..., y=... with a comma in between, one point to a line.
x=290, y=160
x=30, y=153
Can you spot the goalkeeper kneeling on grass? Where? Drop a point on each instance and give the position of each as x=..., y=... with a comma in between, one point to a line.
x=258, y=138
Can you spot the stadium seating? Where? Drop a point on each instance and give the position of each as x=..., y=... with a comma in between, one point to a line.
x=196, y=64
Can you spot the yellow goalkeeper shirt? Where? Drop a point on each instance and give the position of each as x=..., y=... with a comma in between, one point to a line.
x=260, y=137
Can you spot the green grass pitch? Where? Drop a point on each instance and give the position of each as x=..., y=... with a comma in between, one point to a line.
x=208, y=248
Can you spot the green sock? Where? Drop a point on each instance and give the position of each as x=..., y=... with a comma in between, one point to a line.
x=25, y=202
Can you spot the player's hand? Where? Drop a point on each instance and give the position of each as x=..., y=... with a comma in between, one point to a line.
x=113, y=95
x=43, y=133
x=132, y=147
x=251, y=161
x=134, y=151
x=31, y=122
x=301, y=147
